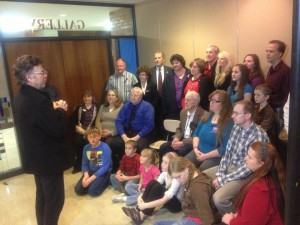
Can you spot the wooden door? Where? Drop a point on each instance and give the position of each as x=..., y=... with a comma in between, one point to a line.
x=86, y=66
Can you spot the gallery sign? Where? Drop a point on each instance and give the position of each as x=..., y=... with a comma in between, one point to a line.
x=57, y=24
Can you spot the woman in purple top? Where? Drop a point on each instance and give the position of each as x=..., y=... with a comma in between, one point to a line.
x=256, y=75
x=172, y=87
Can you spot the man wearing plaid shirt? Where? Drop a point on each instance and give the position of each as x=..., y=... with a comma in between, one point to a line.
x=232, y=170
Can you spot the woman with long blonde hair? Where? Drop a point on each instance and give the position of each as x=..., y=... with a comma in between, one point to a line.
x=223, y=71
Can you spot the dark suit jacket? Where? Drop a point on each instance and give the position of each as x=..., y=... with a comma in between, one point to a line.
x=151, y=95
x=167, y=71
x=41, y=133
x=181, y=129
x=168, y=97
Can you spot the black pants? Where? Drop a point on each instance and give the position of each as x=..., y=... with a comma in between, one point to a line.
x=50, y=197
x=118, y=149
x=155, y=190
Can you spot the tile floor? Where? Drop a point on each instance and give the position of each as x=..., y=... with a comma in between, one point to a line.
x=17, y=196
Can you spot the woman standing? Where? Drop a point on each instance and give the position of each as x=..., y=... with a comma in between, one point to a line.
x=261, y=199
x=212, y=133
x=256, y=76
x=150, y=93
x=173, y=86
x=83, y=118
x=223, y=71
x=107, y=115
x=196, y=198
x=239, y=88
x=198, y=82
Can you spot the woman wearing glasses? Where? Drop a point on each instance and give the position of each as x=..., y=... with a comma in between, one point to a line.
x=212, y=133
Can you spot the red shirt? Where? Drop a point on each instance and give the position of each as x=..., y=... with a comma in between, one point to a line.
x=130, y=165
x=257, y=208
x=192, y=85
x=278, y=79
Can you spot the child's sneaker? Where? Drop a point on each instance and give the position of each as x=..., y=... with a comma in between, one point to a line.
x=118, y=198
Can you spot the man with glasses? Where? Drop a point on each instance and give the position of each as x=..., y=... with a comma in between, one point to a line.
x=232, y=171
x=41, y=128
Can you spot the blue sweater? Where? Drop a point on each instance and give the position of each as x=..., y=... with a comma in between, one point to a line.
x=97, y=159
x=143, y=122
x=207, y=133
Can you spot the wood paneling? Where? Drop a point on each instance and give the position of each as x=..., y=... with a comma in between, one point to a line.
x=73, y=66
x=86, y=67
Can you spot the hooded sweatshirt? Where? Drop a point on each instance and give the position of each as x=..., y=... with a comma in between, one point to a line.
x=197, y=200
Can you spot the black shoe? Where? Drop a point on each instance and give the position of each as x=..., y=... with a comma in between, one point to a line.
x=76, y=170
x=135, y=216
x=126, y=210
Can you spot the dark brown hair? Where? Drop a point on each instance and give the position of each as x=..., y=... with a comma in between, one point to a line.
x=257, y=70
x=243, y=82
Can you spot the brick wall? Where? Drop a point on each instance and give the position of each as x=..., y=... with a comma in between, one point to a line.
x=122, y=22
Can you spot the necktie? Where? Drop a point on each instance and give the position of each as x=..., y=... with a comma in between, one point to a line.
x=159, y=81
x=131, y=119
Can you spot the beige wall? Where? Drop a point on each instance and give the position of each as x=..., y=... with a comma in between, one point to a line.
x=187, y=27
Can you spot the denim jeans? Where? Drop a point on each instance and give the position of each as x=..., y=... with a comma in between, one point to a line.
x=132, y=191
x=183, y=221
x=95, y=188
x=116, y=184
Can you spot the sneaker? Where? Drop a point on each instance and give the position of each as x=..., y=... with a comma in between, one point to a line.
x=118, y=198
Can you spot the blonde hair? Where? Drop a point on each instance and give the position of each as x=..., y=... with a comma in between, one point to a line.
x=149, y=153
x=221, y=74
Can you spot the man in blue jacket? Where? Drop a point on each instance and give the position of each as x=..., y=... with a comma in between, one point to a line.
x=135, y=122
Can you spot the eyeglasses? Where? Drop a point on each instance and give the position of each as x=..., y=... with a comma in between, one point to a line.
x=237, y=113
x=214, y=101
x=43, y=72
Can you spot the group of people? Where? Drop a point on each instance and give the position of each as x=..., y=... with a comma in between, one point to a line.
x=220, y=163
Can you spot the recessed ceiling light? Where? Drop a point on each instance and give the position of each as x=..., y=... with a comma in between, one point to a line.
x=63, y=15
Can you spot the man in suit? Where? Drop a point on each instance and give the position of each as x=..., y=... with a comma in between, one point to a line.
x=190, y=116
x=41, y=128
x=158, y=74
x=159, y=59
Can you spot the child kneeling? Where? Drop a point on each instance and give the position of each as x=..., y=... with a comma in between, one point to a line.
x=96, y=165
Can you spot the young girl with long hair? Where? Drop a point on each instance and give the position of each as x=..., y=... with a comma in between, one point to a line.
x=239, y=88
x=165, y=191
x=196, y=199
x=261, y=199
x=148, y=172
